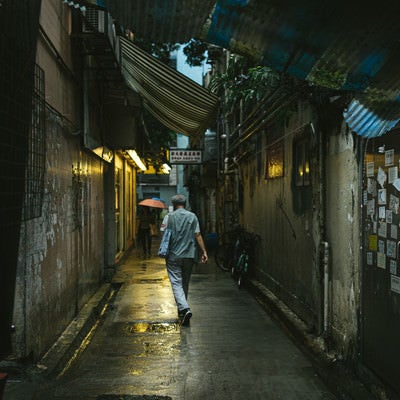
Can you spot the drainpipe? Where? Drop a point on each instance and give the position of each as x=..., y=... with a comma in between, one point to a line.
x=325, y=261
x=324, y=245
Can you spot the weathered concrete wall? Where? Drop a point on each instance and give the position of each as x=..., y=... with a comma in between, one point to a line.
x=289, y=252
x=290, y=261
x=343, y=206
x=61, y=257
x=61, y=253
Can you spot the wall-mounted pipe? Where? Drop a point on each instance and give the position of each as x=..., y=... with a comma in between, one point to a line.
x=325, y=261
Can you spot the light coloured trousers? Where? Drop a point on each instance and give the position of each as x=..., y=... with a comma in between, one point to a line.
x=179, y=272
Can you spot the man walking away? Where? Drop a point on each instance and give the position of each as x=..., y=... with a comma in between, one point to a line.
x=182, y=252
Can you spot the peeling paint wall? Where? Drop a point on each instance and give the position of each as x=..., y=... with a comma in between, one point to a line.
x=290, y=260
x=343, y=237
x=61, y=255
x=288, y=257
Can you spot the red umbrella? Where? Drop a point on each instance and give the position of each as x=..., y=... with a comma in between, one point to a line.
x=152, y=203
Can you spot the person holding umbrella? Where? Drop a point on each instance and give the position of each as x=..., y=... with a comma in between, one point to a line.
x=144, y=222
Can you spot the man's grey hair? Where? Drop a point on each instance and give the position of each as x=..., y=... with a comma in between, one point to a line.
x=178, y=199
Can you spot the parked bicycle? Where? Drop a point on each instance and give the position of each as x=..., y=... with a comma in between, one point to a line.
x=236, y=252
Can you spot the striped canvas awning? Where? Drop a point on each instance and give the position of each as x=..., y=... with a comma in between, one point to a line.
x=175, y=100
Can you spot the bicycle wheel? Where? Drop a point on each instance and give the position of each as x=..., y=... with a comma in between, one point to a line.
x=241, y=269
x=222, y=258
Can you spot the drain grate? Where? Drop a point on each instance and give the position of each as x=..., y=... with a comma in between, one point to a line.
x=131, y=397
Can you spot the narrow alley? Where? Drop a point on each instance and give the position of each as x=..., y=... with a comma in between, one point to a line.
x=231, y=350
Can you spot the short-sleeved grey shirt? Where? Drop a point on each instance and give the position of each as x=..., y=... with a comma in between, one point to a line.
x=185, y=225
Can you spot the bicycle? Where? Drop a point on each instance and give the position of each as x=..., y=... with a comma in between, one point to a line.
x=246, y=250
x=237, y=252
x=225, y=256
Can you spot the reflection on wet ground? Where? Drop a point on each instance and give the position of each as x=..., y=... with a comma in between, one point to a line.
x=231, y=350
x=154, y=327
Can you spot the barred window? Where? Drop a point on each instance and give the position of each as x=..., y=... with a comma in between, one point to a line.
x=35, y=166
x=301, y=177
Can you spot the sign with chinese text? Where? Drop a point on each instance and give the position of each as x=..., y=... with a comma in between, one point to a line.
x=185, y=156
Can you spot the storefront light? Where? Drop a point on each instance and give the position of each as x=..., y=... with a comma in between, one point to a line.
x=166, y=168
x=136, y=159
x=105, y=153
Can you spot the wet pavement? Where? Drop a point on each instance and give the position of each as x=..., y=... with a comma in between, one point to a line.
x=137, y=350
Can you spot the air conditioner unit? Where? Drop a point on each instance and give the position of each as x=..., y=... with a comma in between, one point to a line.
x=94, y=21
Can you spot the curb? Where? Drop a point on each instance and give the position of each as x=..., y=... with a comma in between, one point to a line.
x=58, y=356
x=24, y=377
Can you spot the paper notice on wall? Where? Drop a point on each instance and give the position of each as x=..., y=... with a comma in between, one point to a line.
x=393, y=173
x=382, y=229
x=396, y=184
x=371, y=207
x=391, y=249
x=393, y=231
x=389, y=216
x=382, y=196
x=370, y=258
x=381, y=178
x=370, y=169
x=394, y=203
x=395, y=284
x=382, y=213
x=371, y=187
x=373, y=242
x=393, y=267
x=389, y=157
x=381, y=246
x=381, y=260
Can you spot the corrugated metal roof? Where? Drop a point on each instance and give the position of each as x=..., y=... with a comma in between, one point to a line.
x=366, y=122
x=344, y=45
x=162, y=21
x=348, y=45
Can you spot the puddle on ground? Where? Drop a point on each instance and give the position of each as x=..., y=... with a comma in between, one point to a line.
x=153, y=327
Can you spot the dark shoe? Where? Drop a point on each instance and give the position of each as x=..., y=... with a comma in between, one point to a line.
x=185, y=317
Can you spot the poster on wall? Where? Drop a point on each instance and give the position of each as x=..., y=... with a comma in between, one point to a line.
x=382, y=196
x=389, y=157
x=394, y=204
x=396, y=184
x=382, y=229
x=393, y=231
x=371, y=207
x=381, y=260
x=373, y=242
x=370, y=169
x=391, y=248
x=393, y=173
x=395, y=284
x=382, y=177
x=393, y=267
